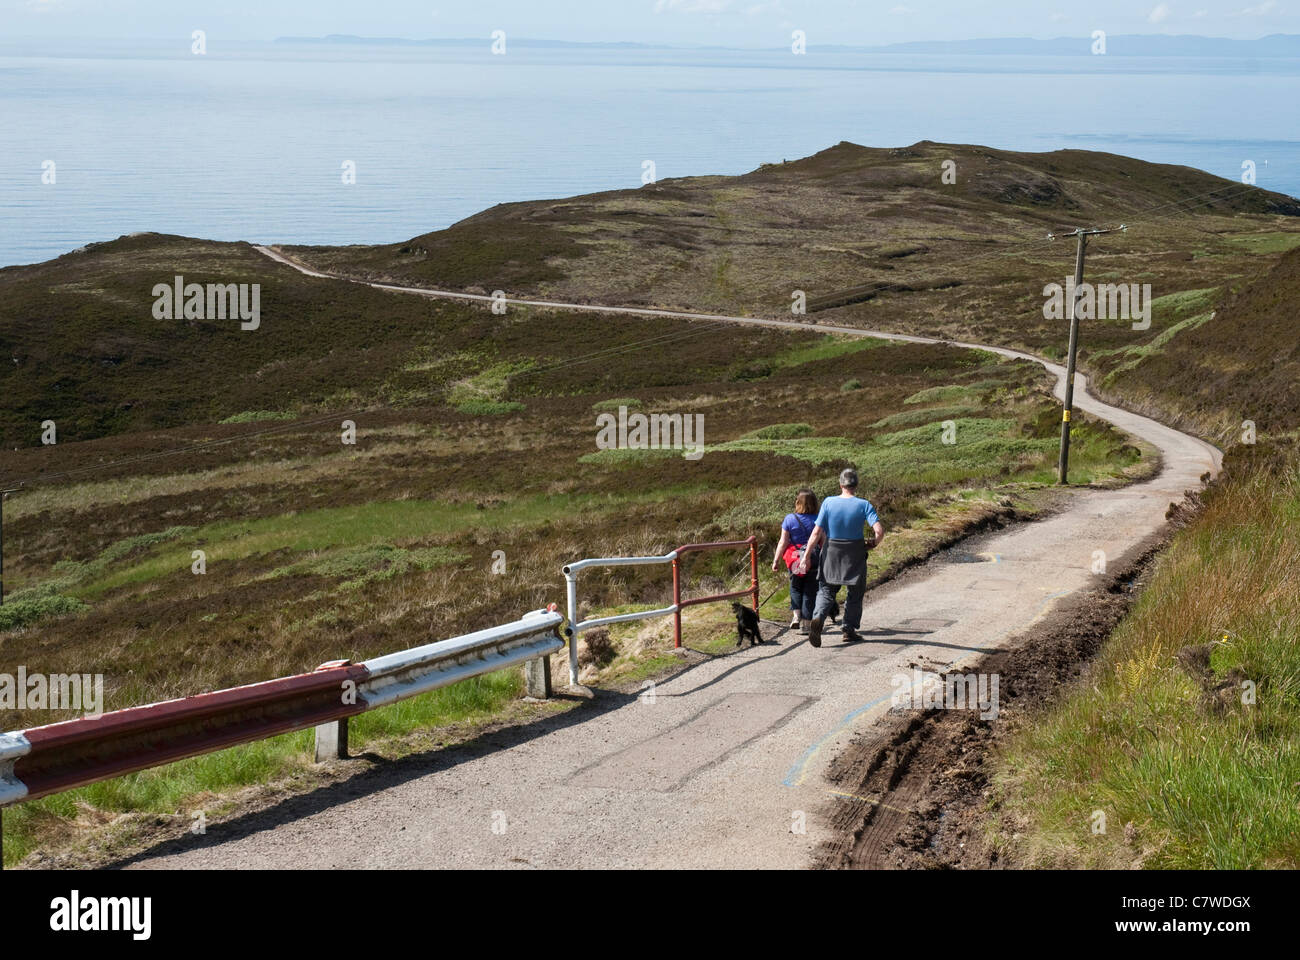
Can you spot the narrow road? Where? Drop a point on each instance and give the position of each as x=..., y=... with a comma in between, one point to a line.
x=725, y=764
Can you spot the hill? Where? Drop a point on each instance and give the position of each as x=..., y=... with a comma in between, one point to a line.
x=83, y=347
x=875, y=238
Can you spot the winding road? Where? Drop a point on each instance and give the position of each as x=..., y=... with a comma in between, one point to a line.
x=725, y=765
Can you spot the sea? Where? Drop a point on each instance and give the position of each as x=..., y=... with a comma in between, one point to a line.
x=338, y=144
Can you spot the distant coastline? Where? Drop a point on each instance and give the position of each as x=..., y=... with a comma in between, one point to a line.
x=1281, y=45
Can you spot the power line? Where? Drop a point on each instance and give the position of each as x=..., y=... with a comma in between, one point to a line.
x=1236, y=188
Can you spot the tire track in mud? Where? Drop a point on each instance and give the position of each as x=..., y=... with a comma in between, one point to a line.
x=920, y=783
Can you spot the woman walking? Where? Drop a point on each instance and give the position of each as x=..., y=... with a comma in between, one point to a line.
x=796, y=528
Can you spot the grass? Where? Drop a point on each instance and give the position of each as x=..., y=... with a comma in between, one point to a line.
x=1189, y=772
x=631, y=456
x=918, y=455
x=21, y=611
x=1210, y=372
x=256, y=416
x=1265, y=243
x=611, y=406
x=826, y=348
x=366, y=565
x=780, y=431
x=375, y=525
x=943, y=394
x=484, y=393
x=830, y=347
x=1131, y=357
x=488, y=408
x=913, y=418
x=67, y=500
x=49, y=598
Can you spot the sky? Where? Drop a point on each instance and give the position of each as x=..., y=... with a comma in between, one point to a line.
x=738, y=23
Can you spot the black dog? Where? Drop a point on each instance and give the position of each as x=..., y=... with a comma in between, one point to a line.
x=746, y=624
x=834, y=612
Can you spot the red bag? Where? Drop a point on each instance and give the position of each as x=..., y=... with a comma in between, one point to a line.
x=792, y=555
x=795, y=550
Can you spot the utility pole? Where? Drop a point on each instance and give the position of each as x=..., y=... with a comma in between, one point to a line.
x=1083, y=235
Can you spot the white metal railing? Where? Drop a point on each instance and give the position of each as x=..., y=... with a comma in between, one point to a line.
x=397, y=676
x=572, y=570
x=571, y=589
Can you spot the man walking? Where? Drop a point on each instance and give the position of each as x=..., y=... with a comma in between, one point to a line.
x=842, y=523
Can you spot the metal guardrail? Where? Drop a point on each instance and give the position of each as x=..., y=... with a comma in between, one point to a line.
x=41, y=761
x=44, y=760
x=572, y=570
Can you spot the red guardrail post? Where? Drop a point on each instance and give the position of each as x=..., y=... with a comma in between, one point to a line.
x=677, y=604
x=752, y=592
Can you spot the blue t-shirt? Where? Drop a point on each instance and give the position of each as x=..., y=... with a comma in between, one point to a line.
x=846, y=518
x=799, y=526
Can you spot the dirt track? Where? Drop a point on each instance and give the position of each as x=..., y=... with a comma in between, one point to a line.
x=731, y=757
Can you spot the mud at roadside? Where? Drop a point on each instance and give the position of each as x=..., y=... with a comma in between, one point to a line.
x=914, y=792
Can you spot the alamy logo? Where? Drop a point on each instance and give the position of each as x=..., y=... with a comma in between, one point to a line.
x=217, y=301
x=1105, y=301
x=656, y=431
x=922, y=690
x=58, y=691
x=74, y=913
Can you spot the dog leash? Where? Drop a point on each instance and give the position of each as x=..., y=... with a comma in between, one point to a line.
x=779, y=588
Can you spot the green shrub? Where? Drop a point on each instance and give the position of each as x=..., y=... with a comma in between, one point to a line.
x=780, y=431
x=488, y=408
x=24, y=610
x=367, y=565
x=611, y=406
x=944, y=394
x=628, y=456
x=254, y=416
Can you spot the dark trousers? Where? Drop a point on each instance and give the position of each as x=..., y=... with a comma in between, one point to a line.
x=803, y=594
x=852, y=603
